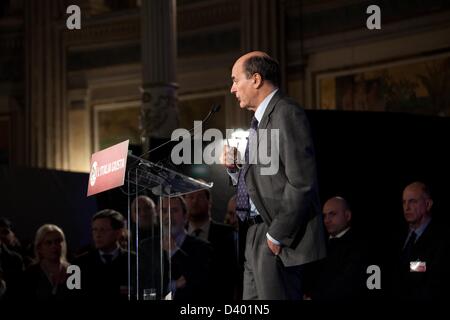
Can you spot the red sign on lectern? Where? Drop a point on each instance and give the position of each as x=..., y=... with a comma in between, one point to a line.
x=108, y=168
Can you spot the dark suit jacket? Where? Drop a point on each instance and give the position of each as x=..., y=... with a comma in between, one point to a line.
x=288, y=200
x=192, y=260
x=433, y=248
x=100, y=281
x=342, y=274
x=38, y=288
x=224, y=267
x=11, y=269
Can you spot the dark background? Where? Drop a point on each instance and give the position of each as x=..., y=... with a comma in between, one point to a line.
x=367, y=158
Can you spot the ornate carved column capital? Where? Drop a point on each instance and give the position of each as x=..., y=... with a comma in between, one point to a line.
x=159, y=113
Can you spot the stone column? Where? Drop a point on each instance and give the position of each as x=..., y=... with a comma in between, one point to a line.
x=263, y=28
x=159, y=116
x=46, y=113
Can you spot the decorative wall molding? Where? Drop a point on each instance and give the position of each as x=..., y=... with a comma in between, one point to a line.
x=123, y=29
x=126, y=26
x=207, y=14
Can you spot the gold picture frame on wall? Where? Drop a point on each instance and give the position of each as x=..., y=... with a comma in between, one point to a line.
x=420, y=85
x=117, y=122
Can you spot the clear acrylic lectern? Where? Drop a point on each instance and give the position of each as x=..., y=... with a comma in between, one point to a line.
x=149, y=267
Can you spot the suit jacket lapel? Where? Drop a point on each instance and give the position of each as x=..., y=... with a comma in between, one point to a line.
x=265, y=121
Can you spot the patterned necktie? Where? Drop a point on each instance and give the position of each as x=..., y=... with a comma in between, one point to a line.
x=242, y=198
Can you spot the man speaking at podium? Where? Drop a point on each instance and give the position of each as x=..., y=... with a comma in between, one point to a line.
x=282, y=209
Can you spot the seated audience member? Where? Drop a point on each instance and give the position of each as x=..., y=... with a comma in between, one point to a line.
x=224, y=266
x=422, y=269
x=144, y=215
x=341, y=275
x=190, y=257
x=9, y=239
x=7, y=236
x=105, y=269
x=46, y=278
x=11, y=264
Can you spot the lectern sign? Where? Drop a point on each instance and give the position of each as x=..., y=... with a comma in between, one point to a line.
x=108, y=168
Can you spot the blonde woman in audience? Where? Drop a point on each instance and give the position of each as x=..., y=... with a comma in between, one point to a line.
x=46, y=278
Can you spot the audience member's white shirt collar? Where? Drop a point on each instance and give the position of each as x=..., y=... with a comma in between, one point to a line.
x=205, y=230
x=114, y=254
x=263, y=106
x=420, y=229
x=340, y=234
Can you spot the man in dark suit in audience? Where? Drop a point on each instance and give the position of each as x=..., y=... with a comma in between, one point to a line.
x=341, y=275
x=224, y=268
x=143, y=214
x=104, y=270
x=11, y=264
x=422, y=270
x=190, y=257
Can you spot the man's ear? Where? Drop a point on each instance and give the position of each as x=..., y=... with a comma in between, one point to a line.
x=257, y=81
x=429, y=203
x=348, y=215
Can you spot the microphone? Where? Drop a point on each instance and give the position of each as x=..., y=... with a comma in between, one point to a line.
x=215, y=108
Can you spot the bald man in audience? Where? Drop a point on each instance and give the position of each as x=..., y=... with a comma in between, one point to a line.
x=336, y=217
x=340, y=276
x=143, y=215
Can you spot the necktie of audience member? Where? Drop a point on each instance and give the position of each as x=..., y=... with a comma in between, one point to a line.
x=408, y=249
x=107, y=258
x=197, y=232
